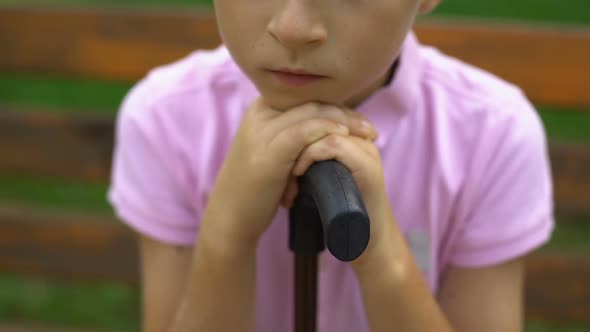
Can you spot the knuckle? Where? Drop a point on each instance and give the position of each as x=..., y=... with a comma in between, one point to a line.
x=328, y=124
x=332, y=109
x=333, y=112
x=315, y=129
x=312, y=106
x=359, y=115
x=333, y=140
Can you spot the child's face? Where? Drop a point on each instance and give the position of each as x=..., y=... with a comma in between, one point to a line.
x=352, y=42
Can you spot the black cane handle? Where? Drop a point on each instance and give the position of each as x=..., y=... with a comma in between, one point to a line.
x=329, y=196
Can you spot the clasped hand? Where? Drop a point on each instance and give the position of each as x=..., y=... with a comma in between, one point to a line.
x=272, y=148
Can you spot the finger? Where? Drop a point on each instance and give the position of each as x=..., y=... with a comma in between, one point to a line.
x=284, y=199
x=369, y=131
x=353, y=152
x=291, y=191
x=356, y=122
x=287, y=188
x=289, y=144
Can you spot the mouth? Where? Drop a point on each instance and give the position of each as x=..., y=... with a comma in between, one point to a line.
x=296, y=78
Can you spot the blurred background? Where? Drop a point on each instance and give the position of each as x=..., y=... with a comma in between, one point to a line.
x=33, y=300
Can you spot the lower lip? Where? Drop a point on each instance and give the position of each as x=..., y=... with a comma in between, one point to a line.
x=296, y=80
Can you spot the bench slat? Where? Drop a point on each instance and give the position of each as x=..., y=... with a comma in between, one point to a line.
x=106, y=44
x=73, y=146
x=77, y=146
x=27, y=327
x=83, y=247
x=571, y=178
x=557, y=288
x=546, y=63
x=70, y=246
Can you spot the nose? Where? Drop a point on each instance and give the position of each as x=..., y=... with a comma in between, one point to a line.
x=296, y=25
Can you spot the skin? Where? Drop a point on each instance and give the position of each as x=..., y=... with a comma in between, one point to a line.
x=317, y=36
x=210, y=287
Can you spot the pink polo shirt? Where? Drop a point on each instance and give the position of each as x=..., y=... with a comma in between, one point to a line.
x=464, y=155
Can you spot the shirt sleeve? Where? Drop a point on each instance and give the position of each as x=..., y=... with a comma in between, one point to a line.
x=146, y=189
x=506, y=209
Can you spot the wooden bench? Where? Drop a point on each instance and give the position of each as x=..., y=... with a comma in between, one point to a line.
x=122, y=45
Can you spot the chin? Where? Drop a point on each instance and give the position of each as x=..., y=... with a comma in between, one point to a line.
x=283, y=103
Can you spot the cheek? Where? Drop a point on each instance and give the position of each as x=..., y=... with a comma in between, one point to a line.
x=374, y=47
x=235, y=28
x=371, y=55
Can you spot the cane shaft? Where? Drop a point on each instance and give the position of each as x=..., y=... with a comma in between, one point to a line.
x=306, y=269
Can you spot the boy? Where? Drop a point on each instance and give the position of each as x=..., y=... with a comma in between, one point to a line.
x=456, y=182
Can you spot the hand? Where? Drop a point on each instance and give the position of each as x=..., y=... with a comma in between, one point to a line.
x=363, y=160
x=260, y=162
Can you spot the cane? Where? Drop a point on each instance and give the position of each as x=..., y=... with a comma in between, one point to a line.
x=329, y=211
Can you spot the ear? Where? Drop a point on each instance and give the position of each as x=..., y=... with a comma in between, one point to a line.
x=426, y=6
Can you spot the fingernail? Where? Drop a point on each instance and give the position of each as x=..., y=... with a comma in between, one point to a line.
x=367, y=127
x=370, y=130
x=343, y=127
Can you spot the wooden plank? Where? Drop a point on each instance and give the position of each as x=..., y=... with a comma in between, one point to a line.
x=72, y=146
x=114, y=44
x=85, y=247
x=557, y=288
x=571, y=178
x=27, y=327
x=548, y=63
x=70, y=246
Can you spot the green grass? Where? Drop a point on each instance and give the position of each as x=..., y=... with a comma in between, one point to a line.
x=111, y=307
x=107, y=306
x=76, y=95
x=571, y=11
x=115, y=307
x=115, y=3
x=544, y=327
x=573, y=125
x=555, y=11
x=570, y=236
x=51, y=192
